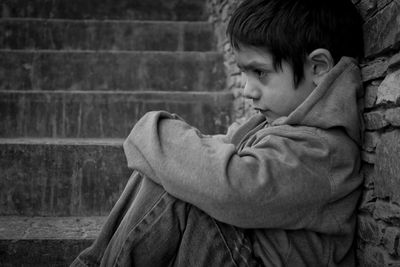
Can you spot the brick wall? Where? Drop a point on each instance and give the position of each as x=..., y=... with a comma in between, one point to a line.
x=378, y=235
x=379, y=214
x=220, y=12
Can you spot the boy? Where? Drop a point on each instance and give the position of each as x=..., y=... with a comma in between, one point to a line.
x=280, y=190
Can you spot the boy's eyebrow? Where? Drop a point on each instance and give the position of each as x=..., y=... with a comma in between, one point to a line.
x=254, y=65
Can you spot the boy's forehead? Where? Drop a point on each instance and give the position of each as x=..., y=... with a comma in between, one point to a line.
x=252, y=56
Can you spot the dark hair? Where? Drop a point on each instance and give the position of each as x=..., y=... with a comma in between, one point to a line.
x=291, y=29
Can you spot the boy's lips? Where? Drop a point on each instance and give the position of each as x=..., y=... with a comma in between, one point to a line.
x=260, y=110
x=266, y=112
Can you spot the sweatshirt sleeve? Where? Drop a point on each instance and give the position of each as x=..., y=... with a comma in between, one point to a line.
x=279, y=181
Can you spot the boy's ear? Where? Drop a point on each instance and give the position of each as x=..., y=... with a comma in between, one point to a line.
x=321, y=62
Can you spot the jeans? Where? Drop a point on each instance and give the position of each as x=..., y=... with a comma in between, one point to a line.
x=149, y=227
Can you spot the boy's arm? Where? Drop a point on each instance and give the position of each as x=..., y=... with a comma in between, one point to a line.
x=278, y=182
x=227, y=138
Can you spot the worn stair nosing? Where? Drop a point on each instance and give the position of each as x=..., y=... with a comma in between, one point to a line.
x=145, y=10
x=135, y=21
x=107, y=35
x=66, y=51
x=153, y=92
x=117, y=142
x=45, y=241
x=172, y=96
x=47, y=228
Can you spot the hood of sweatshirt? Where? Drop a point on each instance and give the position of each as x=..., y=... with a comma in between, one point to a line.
x=333, y=103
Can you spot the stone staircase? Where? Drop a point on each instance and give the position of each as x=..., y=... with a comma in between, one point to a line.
x=75, y=76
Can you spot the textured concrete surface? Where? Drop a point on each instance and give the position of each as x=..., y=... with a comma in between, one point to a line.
x=59, y=34
x=105, y=114
x=106, y=9
x=45, y=241
x=91, y=70
x=61, y=177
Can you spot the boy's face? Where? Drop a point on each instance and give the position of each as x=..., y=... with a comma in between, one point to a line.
x=272, y=91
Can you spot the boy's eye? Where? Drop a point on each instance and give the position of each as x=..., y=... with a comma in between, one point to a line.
x=257, y=73
x=260, y=73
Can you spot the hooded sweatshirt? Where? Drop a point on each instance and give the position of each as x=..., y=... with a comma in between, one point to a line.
x=294, y=181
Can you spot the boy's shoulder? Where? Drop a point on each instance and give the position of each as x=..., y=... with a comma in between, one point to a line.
x=333, y=143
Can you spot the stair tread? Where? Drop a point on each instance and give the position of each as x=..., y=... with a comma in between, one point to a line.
x=102, y=70
x=68, y=179
x=26, y=228
x=105, y=114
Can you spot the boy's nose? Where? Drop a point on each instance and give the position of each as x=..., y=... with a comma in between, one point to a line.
x=251, y=91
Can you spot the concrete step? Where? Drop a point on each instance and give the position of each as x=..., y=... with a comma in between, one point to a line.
x=45, y=241
x=60, y=34
x=106, y=9
x=61, y=177
x=105, y=114
x=104, y=70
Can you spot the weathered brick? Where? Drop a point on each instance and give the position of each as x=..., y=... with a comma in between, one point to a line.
x=393, y=116
x=382, y=3
x=387, y=166
x=387, y=212
x=369, y=178
x=390, y=240
x=382, y=31
x=375, y=120
x=371, y=256
x=368, y=157
x=371, y=140
x=369, y=230
x=374, y=69
x=367, y=203
x=371, y=93
x=375, y=256
x=394, y=62
x=367, y=8
x=389, y=90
